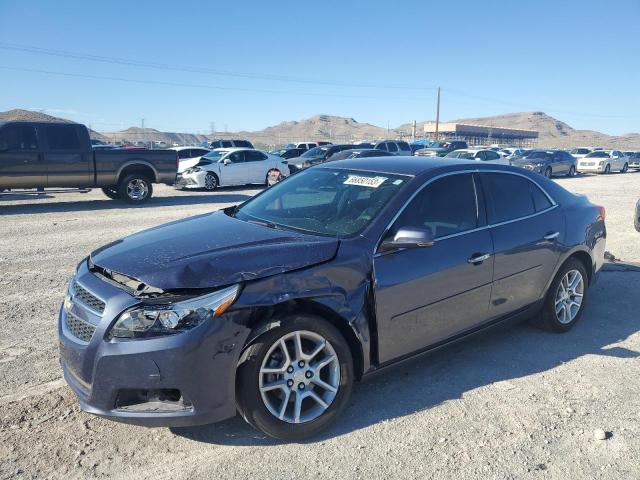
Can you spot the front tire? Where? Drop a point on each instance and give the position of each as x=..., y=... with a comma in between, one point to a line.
x=565, y=299
x=607, y=169
x=295, y=380
x=548, y=172
x=625, y=168
x=572, y=171
x=135, y=188
x=210, y=182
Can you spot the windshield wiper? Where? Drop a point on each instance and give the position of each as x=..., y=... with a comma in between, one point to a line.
x=264, y=223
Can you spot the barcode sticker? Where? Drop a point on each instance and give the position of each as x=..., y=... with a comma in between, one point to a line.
x=372, y=182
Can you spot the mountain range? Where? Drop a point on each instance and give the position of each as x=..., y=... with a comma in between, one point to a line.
x=552, y=132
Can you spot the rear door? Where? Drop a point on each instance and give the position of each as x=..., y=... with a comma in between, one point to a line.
x=67, y=160
x=392, y=147
x=21, y=160
x=559, y=163
x=424, y=296
x=527, y=229
x=258, y=164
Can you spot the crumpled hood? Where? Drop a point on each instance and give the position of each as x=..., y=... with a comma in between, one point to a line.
x=211, y=250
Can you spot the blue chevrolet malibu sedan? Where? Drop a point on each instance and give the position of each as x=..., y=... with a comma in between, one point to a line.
x=275, y=307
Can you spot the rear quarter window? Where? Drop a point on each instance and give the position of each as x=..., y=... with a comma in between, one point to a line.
x=63, y=137
x=509, y=197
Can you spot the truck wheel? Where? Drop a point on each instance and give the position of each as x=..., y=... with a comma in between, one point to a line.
x=135, y=188
x=295, y=380
x=111, y=192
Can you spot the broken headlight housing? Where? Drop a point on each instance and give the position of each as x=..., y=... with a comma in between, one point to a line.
x=146, y=321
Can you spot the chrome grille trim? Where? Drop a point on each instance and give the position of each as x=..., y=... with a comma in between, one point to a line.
x=86, y=298
x=79, y=328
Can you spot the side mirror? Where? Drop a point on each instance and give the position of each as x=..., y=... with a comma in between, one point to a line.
x=4, y=146
x=408, y=237
x=636, y=220
x=227, y=162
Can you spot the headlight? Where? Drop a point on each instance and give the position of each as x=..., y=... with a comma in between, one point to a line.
x=601, y=163
x=169, y=319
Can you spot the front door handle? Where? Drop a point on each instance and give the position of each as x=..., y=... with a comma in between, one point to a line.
x=479, y=258
x=551, y=236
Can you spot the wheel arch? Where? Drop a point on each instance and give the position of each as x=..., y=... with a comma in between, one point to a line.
x=138, y=167
x=266, y=319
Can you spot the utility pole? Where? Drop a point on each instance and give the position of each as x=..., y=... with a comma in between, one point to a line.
x=212, y=128
x=142, y=126
x=413, y=131
x=387, y=128
x=438, y=115
x=225, y=128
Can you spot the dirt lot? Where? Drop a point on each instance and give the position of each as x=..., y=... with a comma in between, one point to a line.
x=510, y=404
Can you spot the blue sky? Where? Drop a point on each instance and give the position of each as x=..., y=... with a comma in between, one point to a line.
x=251, y=64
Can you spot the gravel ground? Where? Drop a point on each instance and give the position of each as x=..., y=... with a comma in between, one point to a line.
x=513, y=403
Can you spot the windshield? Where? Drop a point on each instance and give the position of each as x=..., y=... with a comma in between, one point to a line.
x=598, y=154
x=324, y=201
x=579, y=151
x=460, y=154
x=315, y=152
x=535, y=154
x=215, y=156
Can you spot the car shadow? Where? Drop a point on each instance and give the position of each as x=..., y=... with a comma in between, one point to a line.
x=200, y=198
x=500, y=355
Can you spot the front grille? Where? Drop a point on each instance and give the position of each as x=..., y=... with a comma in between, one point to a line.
x=79, y=328
x=588, y=164
x=87, y=298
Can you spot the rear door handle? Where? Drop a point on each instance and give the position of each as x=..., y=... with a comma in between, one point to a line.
x=551, y=236
x=479, y=258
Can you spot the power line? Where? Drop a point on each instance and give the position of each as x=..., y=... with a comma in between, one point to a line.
x=197, y=69
x=194, y=85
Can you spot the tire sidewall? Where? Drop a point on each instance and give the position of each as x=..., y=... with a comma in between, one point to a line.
x=248, y=396
x=215, y=179
x=548, y=172
x=549, y=310
x=122, y=188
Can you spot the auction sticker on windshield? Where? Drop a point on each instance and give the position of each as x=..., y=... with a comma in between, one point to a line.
x=372, y=182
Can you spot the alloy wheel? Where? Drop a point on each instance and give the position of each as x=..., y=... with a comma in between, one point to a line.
x=137, y=189
x=299, y=377
x=569, y=296
x=210, y=182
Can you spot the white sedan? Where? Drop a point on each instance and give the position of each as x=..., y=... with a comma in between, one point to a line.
x=482, y=155
x=189, y=156
x=603, y=161
x=233, y=166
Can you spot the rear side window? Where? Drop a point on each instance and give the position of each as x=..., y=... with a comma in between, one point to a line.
x=392, y=147
x=540, y=200
x=19, y=137
x=446, y=206
x=236, y=157
x=184, y=154
x=508, y=195
x=243, y=143
x=254, y=156
x=382, y=146
x=404, y=146
x=63, y=137
x=490, y=155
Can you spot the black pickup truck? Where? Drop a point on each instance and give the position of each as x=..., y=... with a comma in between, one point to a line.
x=39, y=154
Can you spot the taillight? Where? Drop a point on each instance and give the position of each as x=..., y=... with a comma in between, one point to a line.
x=602, y=213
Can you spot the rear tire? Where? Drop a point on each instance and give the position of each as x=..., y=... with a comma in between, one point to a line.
x=548, y=172
x=572, y=171
x=607, y=169
x=273, y=176
x=135, y=188
x=565, y=299
x=300, y=377
x=111, y=192
x=625, y=168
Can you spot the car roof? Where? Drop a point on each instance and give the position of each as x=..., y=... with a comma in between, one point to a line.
x=179, y=149
x=401, y=165
x=231, y=149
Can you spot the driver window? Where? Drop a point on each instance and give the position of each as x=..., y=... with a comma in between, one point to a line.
x=445, y=206
x=236, y=157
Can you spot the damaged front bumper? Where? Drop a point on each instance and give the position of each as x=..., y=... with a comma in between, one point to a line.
x=177, y=380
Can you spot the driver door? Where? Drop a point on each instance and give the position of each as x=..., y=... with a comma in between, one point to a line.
x=424, y=296
x=236, y=172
